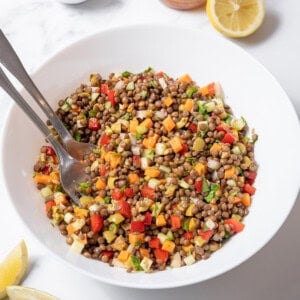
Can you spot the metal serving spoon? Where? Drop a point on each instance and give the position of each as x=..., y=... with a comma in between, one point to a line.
x=72, y=171
x=11, y=61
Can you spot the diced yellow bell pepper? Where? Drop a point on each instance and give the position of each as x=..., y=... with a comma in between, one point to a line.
x=123, y=256
x=189, y=211
x=168, y=246
x=160, y=221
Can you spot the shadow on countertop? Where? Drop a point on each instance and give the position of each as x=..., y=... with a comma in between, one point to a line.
x=267, y=29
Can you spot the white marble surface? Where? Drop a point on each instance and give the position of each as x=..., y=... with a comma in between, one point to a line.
x=39, y=28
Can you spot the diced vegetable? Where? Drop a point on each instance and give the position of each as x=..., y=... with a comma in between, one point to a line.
x=168, y=101
x=124, y=208
x=96, y=223
x=175, y=222
x=133, y=178
x=198, y=144
x=147, y=192
x=160, y=221
x=169, y=124
x=200, y=168
x=123, y=256
x=146, y=263
x=236, y=225
x=168, y=246
x=186, y=78
x=154, y=243
x=161, y=255
x=249, y=189
x=116, y=218
x=176, y=144
x=137, y=226
x=136, y=238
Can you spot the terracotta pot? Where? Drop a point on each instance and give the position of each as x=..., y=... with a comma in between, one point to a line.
x=184, y=4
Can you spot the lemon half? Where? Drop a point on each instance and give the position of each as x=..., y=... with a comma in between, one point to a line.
x=236, y=18
x=13, y=268
x=26, y=293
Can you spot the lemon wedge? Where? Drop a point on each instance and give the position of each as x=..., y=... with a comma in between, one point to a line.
x=25, y=293
x=236, y=18
x=13, y=268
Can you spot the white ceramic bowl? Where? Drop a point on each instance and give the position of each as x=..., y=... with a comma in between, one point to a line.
x=250, y=90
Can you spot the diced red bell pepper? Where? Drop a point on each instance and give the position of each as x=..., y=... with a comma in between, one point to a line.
x=154, y=243
x=50, y=151
x=49, y=205
x=104, y=88
x=251, y=177
x=222, y=127
x=147, y=192
x=136, y=161
x=94, y=124
x=47, y=170
x=148, y=218
x=211, y=89
x=108, y=253
x=124, y=208
x=175, y=222
x=161, y=254
x=116, y=194
x=129, y=192
x=228, y=138
x=160, y=74
x=137, y=226
x=236, y=225
x=198, y=186
x=184, y=149
x=105, y=139
x=96, y=223
x=193, y=127
x=102, y=170
x=188, y=235
x=206, y=235
x=111, y=97
x=249, y=189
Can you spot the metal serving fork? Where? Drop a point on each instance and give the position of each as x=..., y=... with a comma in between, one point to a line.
x=72, y=171
x=12, y=63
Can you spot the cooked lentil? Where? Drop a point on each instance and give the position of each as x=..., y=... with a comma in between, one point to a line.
x=172, y=177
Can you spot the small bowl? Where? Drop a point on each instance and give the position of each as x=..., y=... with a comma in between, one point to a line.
x=250, y=90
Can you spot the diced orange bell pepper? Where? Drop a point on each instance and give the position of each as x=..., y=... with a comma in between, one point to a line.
x=168, y=124
x=185, y=78
x=147, y=123
x=144, y=252
x=150, y=142
x=133, y=124
x=42, y=178
x=123, y=255
x=100, y=184
x=152, y=172
x=200, y=168
x=230, y=173
x=136, y=238
x=133, y=178
x=176, y=144
x=246, y=200
x=168, y=101
x=188, y=105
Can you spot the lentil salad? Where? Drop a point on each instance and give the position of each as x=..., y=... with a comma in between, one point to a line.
x=171, y=179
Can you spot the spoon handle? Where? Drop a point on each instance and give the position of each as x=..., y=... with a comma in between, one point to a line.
x=16, y=96
x=11, y=61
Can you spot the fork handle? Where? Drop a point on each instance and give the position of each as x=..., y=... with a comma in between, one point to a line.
x=16, y=96
x=11, y=61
